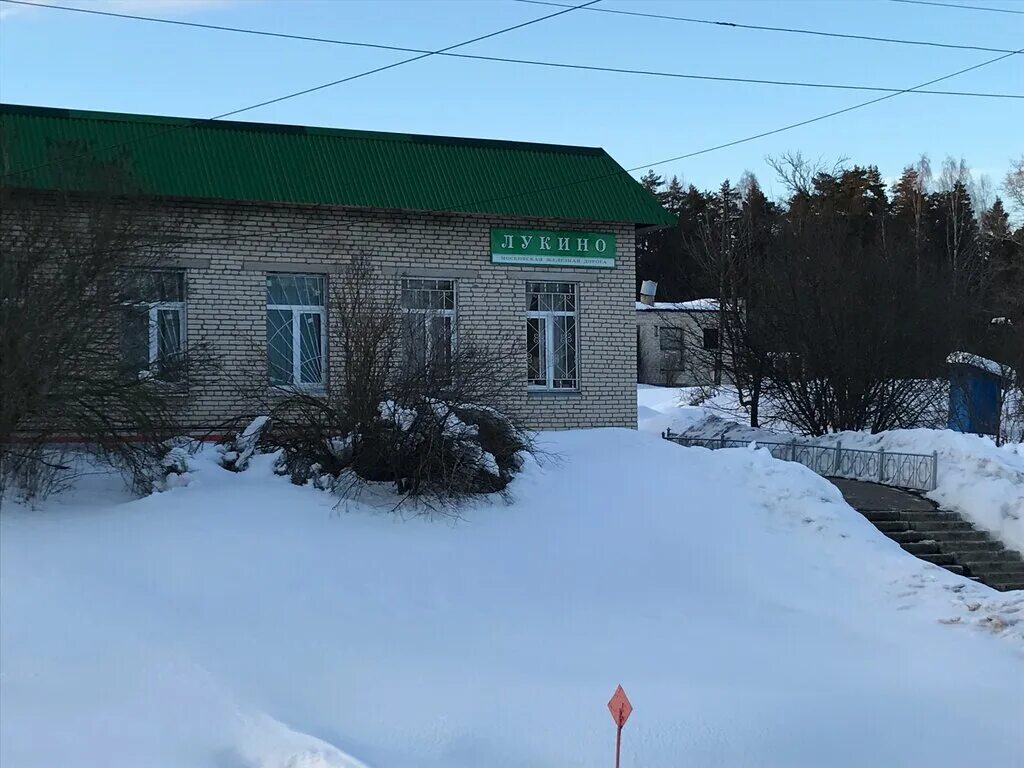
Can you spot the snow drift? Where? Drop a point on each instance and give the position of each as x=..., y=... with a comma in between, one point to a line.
x=245, y=622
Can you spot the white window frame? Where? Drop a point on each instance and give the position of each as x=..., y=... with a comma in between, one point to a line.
x=154, y=327
x=153, y=323
x=298, y=310
x=548, y=317
x=426, y=313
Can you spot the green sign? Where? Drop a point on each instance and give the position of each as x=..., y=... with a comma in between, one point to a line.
x=547, y=248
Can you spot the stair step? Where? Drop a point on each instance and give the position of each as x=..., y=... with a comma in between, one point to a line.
x=939, y=559
x=908, y=537
x=880, y=515
x=922, y=548
x=956, y=537
x=915, y=515
x=957, y=569
x=995, y=566
x=892, y=526
x=1005, y=586
x=940, y=526
x=981, y=549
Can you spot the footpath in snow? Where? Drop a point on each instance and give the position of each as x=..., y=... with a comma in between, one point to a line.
x=976, y=478
x=243, y=622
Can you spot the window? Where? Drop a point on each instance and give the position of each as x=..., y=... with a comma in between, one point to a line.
x=710, y=338
x=428, y=324
x=153, y=334
x=296, y=320
x=551, y=336
x=670, y=341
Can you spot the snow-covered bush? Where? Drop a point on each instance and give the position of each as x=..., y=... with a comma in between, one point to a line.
x=433, y=451
x=168, y=468
x=236, y=451
x=442, y=450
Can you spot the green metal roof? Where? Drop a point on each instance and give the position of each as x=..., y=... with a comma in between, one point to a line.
x=177, y=157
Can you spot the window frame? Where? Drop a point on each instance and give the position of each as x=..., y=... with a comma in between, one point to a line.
x=548, y=317
x=425, y=313
x=297, y=311
x=152, y=310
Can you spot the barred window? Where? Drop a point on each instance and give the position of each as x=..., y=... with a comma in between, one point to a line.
x=428, y=324
x=153, y=332
x=551, y=336
x=296, y=323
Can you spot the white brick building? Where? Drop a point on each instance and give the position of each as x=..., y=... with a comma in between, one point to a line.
x=484, y=237
x=677, y=343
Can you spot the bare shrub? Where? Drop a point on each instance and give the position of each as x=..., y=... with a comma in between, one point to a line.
x=78, y=272
x=409, y=406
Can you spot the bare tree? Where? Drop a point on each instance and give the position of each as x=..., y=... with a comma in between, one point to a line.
x=958, y=214
x=731, y=343
x=1013, y=184
x=860, y=342
x=77, y=274
x=797, y=173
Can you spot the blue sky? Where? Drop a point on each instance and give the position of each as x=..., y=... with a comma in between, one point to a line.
x=56, y=58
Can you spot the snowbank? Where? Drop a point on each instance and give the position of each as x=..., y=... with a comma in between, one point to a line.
x=697, y=305
x=244, y=622
x=981, y=481
x=977, y=361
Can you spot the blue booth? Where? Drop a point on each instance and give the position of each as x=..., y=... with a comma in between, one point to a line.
x=975, y=388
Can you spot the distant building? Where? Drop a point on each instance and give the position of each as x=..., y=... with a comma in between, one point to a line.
x=677, y=342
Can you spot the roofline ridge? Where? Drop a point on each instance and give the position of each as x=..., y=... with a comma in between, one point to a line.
x=286, y=128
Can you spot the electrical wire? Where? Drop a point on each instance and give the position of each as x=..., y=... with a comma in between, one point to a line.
x=790, y=30
x=957, y=5
x=527, y=62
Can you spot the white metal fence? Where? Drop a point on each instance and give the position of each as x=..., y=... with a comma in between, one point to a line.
x=918, y=471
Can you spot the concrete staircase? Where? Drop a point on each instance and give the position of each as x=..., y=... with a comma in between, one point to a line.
x=947, y=540
x=940, y=537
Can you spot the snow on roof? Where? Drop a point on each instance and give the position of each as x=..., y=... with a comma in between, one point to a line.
x=697, y=305
x=967, y=358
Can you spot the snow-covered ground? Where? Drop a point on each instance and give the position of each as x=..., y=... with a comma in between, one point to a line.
x=243, y=622
x=980, y=480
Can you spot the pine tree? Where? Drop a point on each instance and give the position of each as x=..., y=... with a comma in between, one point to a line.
x=908, y=210
x=672, y=197
x=954, y=231
x=1003, y=258
x=652, y=182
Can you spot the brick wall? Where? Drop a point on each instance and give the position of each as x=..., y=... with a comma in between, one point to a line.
x=226, y=294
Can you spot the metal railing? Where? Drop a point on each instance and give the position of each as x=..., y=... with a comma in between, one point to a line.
x=917, y=471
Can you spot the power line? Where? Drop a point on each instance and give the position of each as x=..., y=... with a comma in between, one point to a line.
x=320, y=87
x=463, y=203
x=829, y=114
x=791, y=30
x=957, y=5
x=508, y=60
